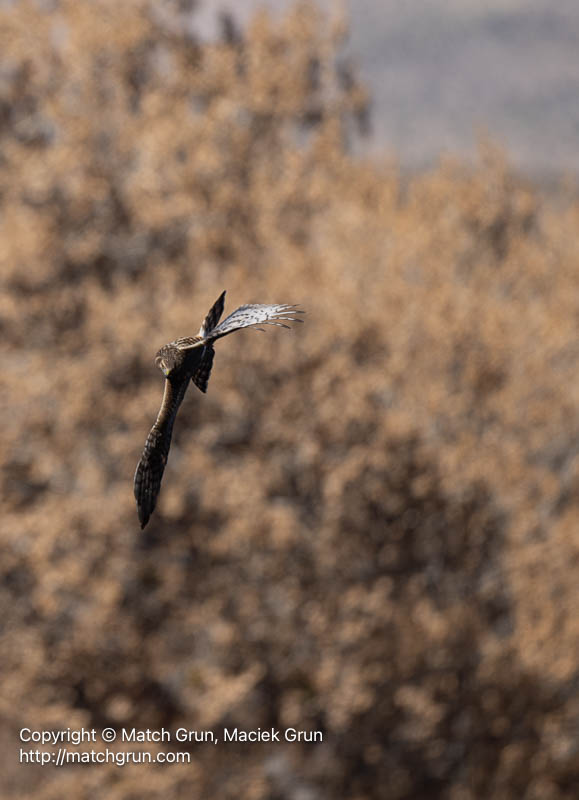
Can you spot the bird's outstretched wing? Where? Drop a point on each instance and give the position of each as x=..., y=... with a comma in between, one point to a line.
x=251, y=316
x=149, y=473
x=150, y=468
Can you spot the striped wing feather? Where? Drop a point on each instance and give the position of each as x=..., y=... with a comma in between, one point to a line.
x=150, y=472
x=150, y=468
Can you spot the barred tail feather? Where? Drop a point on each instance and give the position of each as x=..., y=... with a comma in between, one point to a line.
x=251, y=316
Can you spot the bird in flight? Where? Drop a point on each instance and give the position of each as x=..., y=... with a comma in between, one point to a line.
x=191, y=358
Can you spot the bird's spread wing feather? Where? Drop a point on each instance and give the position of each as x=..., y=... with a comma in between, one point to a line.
x=150, y=472
x=253, y=315
x=150, y=468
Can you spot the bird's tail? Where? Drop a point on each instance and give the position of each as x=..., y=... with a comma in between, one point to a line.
x=254, y=315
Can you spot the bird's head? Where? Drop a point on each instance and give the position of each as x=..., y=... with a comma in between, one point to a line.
x=168, y=360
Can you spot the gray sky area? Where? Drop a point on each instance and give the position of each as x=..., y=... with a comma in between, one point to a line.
x=441, y=71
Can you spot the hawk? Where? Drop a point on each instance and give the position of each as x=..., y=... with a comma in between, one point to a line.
x=191, y=358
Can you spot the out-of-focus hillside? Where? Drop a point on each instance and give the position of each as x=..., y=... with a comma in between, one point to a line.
x=369, y=525
x=442, y=70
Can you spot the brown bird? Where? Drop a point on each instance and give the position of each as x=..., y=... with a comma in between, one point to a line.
x=191, y=358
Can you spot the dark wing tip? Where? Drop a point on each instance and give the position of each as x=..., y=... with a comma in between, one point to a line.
x=143, y=510
x=144, y=486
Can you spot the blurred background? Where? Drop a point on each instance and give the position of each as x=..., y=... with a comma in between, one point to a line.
x=444, y=72
x=369, y=525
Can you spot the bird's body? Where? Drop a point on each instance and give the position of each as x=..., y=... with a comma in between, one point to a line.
x=181, y=361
